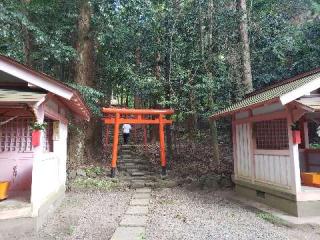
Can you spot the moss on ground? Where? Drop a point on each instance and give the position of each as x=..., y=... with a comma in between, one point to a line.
x=95, y=183
x=94, y=169
x=272, y=219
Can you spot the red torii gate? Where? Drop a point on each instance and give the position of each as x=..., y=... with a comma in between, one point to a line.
x=137, y=118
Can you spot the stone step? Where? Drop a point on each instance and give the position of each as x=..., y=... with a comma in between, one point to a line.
x=136, y=167
x=126, y=151
x=137, y=184
x=146, y=172
x=15, y=212
x=126, y=156
x=133, y=221
x=129, y=233
x=126, y=147
x=133, y=161
x=138, y=173
x=144, y=177
x=130, y=164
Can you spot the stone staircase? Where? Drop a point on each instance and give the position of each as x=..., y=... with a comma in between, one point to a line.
x=135, y=170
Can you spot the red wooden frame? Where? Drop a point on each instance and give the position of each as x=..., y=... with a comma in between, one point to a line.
x=137, y=116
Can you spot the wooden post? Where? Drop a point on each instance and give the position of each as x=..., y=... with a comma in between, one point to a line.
x=162, y=146
x=135, y=134
x=115, y=145
x=306, y=134
x=294, y=156
x=306, y=145
x=234, y=144
x=145, y=137
x=252, y=144
x=107, y=135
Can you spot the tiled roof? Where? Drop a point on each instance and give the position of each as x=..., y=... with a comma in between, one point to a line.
x=19, y=96
x=270, y=93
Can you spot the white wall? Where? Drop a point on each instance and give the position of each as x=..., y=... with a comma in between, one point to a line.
x=265, y=167
x=243, y=151
x=273, y=169
x=49, y=171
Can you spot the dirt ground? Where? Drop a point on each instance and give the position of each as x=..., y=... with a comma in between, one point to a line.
x=175, y=214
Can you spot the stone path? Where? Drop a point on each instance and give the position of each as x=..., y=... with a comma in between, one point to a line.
x=133, y=224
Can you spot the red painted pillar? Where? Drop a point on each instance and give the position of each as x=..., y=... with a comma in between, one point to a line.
x=115, y=145
x=162, y=146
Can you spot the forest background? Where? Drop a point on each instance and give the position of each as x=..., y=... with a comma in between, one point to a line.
x=195, y=56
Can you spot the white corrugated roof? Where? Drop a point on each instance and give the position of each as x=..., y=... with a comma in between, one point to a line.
x=20, y=96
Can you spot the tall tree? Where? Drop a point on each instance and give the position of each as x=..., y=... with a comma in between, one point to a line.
x=85, y=65
x=27, y=37
x=85, y=138
x=245, y=46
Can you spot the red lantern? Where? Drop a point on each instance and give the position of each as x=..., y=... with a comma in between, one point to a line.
x=36, y=138
x=296, y=136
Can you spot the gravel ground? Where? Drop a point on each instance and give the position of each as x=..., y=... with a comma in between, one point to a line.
x=182, y=214
x=85, y=215
x=175, y=214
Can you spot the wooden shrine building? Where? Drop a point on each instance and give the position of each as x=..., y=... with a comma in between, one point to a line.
x=276, y=144
x=33, y=162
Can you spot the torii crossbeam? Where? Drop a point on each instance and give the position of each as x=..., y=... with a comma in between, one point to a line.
x=117, y=116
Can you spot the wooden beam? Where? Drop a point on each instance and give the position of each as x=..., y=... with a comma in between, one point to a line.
x=138, y=111
x=262, y=117
x=136, y=121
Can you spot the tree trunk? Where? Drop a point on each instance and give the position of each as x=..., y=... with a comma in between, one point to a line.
x=87, y=138
x=168, y=139
x=209, y=59
x=85, y=67
x=158, y=60
x=27, y=38
x=137, y=99
x=245, y=47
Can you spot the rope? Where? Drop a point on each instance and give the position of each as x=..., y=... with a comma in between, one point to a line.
x=9, y=120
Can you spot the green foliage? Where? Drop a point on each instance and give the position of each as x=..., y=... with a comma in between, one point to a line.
x=285, y=39
x=38, y=126
x=91, y=96
x=94, y=169
x=272, y=219
x=95, y=183
x=197, y=43
x=315, y=145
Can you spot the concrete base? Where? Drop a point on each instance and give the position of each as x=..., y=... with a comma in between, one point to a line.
x=48, y=208
x=280, y=200
x=16, y=228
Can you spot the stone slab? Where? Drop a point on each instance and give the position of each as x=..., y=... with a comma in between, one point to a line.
x=137, y=173
x=137, y=184
x=129, y=233
x=134, y=221
x=143, y=190
x=139, y=202
x=141, y=195
x=137, y=210
x=151, y=184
